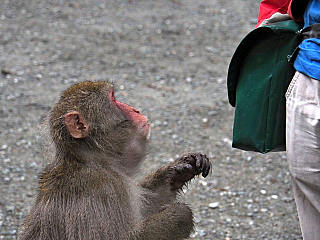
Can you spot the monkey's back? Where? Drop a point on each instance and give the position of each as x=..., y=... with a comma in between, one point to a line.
x=81, y=202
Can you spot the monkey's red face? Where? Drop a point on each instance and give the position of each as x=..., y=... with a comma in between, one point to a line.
x=133, y=115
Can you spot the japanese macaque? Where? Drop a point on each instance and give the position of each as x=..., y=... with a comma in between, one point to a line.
x=88, y=191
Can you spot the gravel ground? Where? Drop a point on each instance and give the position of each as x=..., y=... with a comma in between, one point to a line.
x=168, y=58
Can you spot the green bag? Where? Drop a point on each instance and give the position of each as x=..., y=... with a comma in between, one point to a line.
x=258, y=77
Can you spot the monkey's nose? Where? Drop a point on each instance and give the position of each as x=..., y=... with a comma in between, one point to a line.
x=135, y=110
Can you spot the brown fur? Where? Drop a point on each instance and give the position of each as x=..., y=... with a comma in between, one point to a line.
x=87, y=192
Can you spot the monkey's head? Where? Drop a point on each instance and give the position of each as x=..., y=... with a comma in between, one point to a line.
x=89, y=120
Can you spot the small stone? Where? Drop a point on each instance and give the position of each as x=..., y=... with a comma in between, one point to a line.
x=214, y=205
x=264, y=210
x=202, y=233
x=205, y=120
x=189, y=79
x=287, y=199
x=33, y=165
x=3, y=147
x=6, y=179
x=263, y=192
x=202, y=197
x=12, y=232
x=250, y=214
x=204, y=183
x=6, y=71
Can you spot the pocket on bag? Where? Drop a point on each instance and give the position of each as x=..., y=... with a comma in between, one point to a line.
x=292, y=84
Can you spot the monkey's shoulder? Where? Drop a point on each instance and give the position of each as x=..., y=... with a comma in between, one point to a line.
x=80, y=179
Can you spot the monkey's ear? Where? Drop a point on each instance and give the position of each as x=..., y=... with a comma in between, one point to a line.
x=76, y=124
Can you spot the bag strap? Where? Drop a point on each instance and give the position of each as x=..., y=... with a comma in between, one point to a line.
x=312, y=31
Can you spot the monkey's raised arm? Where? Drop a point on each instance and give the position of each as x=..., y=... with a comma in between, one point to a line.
x=176, y=174
x=168, y=180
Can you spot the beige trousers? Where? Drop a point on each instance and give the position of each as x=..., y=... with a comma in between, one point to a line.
x=303, y=150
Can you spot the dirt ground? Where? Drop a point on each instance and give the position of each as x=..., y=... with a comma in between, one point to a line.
x=168, y=58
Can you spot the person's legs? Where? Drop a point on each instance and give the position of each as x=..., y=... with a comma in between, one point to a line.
x=303, y=150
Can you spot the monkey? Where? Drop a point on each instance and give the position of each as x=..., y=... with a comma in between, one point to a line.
x=88, y=191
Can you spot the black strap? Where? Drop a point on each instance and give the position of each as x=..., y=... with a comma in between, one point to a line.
x=312, y=31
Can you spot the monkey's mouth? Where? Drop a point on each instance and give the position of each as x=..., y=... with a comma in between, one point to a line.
x=146, y=126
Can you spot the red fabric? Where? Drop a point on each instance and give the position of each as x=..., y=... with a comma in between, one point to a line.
x=289, y=9
x=269, y=7
x=300, y=8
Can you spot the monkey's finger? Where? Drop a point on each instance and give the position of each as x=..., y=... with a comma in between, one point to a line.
x=198, y=159
x=207, y=168
x=202, y=163
x=205, y=173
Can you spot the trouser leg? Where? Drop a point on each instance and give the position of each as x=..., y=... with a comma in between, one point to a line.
x=303, y=150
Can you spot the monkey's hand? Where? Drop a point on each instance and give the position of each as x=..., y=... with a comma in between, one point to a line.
x=168, y=180
x=186, y=167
